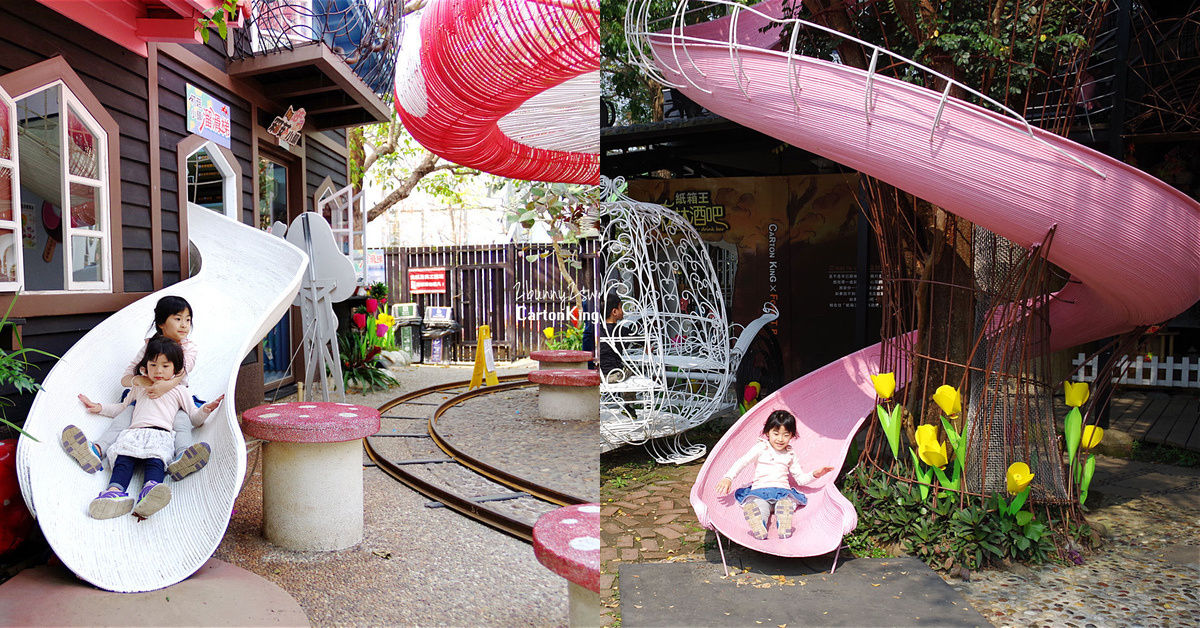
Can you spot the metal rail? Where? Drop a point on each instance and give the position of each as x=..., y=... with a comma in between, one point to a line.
x=640, y=38
x=475, y=508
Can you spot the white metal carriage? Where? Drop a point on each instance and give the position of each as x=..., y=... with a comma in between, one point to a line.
x=678, y=359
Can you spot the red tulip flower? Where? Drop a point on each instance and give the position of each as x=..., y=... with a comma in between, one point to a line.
x=360, y=321
x=750, y=394
x=372, y=305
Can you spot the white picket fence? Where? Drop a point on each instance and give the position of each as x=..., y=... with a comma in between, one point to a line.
x=1181, y=373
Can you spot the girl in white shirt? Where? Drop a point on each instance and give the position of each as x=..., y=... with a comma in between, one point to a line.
x=150, y=438
x=773, y=461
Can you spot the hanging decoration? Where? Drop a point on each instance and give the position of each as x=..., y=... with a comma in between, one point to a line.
x=506, y=86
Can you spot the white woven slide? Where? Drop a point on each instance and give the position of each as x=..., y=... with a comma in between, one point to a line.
x=247, y=280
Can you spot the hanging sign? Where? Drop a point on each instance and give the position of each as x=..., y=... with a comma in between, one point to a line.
x=427, y=280
x=207, y=116
x=485, y=364
x=698, y=208
x=287, y=127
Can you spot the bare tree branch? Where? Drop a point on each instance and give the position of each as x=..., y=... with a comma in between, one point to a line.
x=430, y=164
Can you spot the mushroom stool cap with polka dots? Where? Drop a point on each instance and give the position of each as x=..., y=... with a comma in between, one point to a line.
x=310, y=422
x=567, y=541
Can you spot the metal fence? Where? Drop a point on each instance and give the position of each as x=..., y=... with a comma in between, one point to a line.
x=515, y=289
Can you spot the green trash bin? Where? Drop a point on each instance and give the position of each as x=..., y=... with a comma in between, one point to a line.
x=408, y=329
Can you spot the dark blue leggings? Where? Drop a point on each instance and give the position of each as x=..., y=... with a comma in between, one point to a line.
x=122, y=472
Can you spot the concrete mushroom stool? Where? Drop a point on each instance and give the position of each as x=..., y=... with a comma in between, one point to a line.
x=312, y=471
x=567, y=541
x=568, y=394
x=550, y=359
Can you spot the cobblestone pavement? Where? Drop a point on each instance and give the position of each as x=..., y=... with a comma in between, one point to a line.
x=1144, y=575
x=647, y=522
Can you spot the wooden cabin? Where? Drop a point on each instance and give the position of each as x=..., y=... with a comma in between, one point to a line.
x=126, y=73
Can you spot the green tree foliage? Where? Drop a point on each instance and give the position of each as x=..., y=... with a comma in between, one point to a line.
x=1002, y=48
x=637, y=97
x=397, y=162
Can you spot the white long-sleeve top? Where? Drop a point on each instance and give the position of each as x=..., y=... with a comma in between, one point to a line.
x=157, y=412
x=189, y=360
x=771, y=468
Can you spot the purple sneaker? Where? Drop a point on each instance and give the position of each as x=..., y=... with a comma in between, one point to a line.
x=153, y=497
x=189, y=461
x=110, y=504
x=77, y=446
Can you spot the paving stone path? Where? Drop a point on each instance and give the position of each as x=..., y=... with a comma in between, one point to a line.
x=652, y=522
x=1144, y=575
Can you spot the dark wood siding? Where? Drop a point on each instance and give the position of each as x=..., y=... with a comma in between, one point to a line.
x=322, y=162
x=32, y=33
x=54, y=335
x=173, y=78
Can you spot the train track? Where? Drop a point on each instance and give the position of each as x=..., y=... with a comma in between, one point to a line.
x=419, y=457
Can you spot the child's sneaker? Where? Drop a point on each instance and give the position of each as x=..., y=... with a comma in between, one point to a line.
x=189, y=461
x=783, y=517
x=87, y=454
x=110, y=504
x=153, y=497
x=758, y=527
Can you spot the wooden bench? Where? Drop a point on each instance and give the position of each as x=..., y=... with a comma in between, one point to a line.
x=562, y=359
x=568, y=394
x=567, y=541
x=312, y=471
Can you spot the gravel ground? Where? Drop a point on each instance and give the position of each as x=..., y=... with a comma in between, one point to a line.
x=402, y=574
x=497, y=429
x=1144, y=575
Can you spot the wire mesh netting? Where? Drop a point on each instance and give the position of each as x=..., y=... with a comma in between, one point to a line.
x=365, y=33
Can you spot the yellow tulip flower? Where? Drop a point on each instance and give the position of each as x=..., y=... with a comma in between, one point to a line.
x=1091, y=436
x=1076, y=393
x=549, y=333
x=948, y=400
x=1019, y=476
x=931, y=451
x=385, y=319
x=885, y=385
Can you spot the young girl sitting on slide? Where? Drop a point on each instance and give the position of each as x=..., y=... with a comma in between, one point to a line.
x=172, y=319
x=150, y=438
x=773, y=460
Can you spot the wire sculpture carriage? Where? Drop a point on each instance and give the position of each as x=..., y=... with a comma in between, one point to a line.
x=675, y=342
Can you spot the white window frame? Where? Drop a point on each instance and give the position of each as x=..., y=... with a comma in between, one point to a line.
x=71, y=102
x=14, y=165
x=341, y=222
x=228, y=178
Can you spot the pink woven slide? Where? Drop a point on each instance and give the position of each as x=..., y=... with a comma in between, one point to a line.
x=829, y=405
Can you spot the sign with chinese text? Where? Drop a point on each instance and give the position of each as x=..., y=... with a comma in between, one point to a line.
x=287, y=127
x=697, y=207
x=427, y=280
x=207, y=116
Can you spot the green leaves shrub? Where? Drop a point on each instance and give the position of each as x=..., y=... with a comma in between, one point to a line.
x=938, y=530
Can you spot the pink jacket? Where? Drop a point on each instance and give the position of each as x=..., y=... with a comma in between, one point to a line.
x=157, y=412
x=189, y=360
x=771, y=468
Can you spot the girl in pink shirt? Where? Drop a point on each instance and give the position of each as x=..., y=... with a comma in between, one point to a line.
x=173, y=319
x=150, y=438
x=773, y=461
